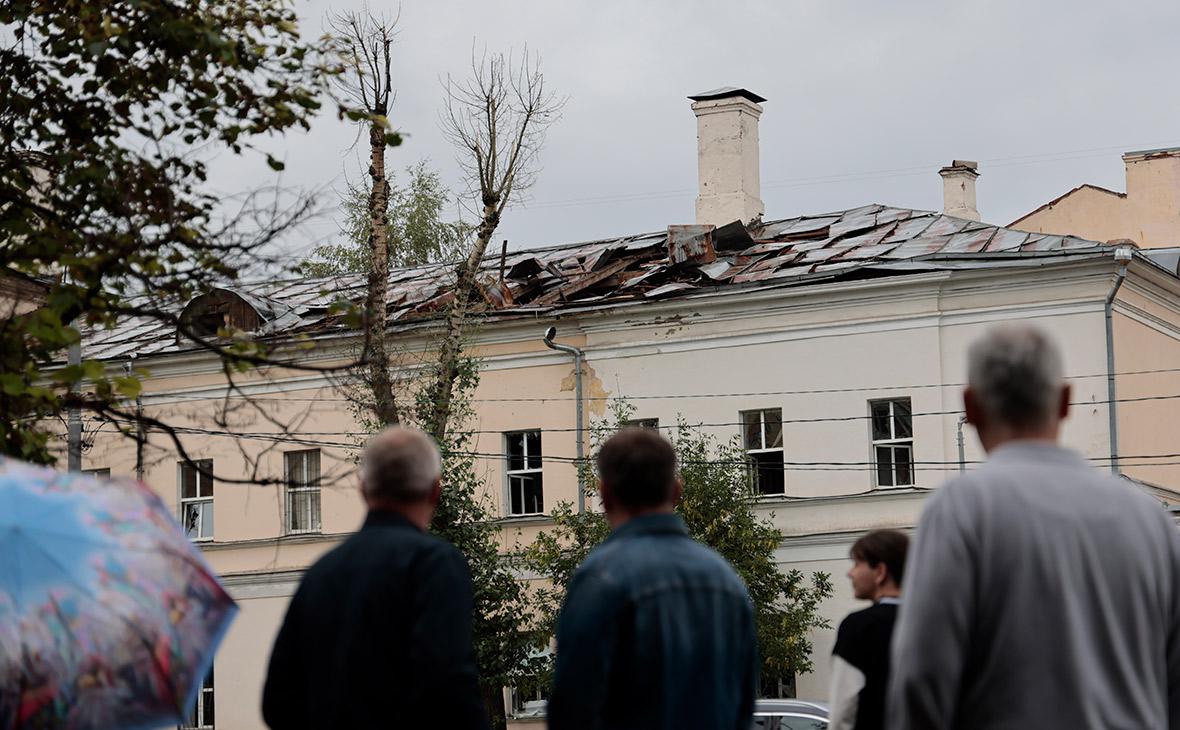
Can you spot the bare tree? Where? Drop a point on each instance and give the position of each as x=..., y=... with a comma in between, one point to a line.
x=363, y=42
x=497, y=120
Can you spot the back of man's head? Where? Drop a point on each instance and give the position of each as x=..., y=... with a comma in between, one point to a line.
x=888, y=547
x=638, y=466
x=400, y=465
x=1016, y=375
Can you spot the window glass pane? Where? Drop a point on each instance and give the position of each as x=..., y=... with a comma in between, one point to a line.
x=903, y=460
x=881, y=421
x=205, y=477
x=295, y=475
x=769, y=475
x=313, y=468
x=192, y=519
x=902, y=419
x=515, y=451
x=207, y=697
x=752, y=429
x=516, y=495
x=884, y=466
x=533, y=499
x=652, y=423
x=206, y=518
x=188, y=481
x=533, y=449
x=772, y=424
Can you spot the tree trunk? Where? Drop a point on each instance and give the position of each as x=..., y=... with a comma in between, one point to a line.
x=380, y=380
x=466, y=282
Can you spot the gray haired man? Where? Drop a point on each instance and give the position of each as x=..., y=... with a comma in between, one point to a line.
x=1040, y=592
x=379, y=633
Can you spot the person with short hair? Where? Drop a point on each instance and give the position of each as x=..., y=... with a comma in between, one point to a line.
x=379, y=633
x=657, y=630
x=860, y=660
x=1040, y=592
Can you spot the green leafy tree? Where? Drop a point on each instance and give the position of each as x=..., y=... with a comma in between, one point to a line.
x=506, y=632
x=102, y=198
x=717, y=508
x=414, y=218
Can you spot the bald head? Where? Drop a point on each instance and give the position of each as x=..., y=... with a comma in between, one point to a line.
x=400, y=465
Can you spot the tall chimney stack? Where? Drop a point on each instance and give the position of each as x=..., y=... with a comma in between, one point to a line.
x=730, y=186
x=958, y=189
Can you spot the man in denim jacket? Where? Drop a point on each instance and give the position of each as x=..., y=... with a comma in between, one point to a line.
x=657, y=630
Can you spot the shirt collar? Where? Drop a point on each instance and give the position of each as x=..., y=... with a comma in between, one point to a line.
x=889, y=601
x=1035, y=451
x=387, y=518
x=655, y=523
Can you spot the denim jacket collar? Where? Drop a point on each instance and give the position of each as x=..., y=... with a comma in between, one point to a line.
x=656, y=523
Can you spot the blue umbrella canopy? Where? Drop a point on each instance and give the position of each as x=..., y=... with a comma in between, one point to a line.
x=109, y=617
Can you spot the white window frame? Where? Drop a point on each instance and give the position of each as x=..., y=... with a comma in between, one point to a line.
x=762, y=448
x=198, y=500
x=534, y=472
x=101, y=472
x=197, y=716
x=310, y=488
x=893, y=443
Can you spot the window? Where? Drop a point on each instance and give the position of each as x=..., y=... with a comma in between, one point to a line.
x=196, y=499
x=200, y=717
x=893, y=442
x=303, y=490
x=100, y=473
x=762, y=435
x=652, y=423
x=525, y=496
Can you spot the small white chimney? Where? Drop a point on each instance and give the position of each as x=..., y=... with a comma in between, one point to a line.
x=958, y=189
x=730, y=186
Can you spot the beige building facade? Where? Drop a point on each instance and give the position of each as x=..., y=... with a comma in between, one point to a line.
x=831, y=346
x=1148, y=213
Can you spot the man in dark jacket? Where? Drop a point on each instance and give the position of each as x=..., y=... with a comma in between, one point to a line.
x=657, y=630
x=379, y=633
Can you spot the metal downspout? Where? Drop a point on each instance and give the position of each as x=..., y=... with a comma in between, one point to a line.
x=959, y=438
x=1123, y=257
x=579, y=446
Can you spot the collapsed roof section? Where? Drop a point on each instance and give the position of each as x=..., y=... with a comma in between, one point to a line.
x=682, y=261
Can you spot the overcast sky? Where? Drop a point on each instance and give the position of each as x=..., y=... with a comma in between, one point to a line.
x=865, y=101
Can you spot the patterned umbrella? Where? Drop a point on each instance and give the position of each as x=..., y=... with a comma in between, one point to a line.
x=108, y=616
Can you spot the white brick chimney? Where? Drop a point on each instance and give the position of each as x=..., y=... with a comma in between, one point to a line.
x=730, y=186
x=958, y=189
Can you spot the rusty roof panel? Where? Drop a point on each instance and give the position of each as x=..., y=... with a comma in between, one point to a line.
x=676, y=286
x=921, y=246
x=1006, y=239
x=691, y=243
x=945, y=224
x=1046, y=243
x=909, y=228
x=969, y=241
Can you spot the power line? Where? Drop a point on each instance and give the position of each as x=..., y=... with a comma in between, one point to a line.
x=666, y=396
x=721, y=424
x=917, y=465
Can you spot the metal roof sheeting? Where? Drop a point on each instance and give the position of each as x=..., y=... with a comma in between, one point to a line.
x=789, y=252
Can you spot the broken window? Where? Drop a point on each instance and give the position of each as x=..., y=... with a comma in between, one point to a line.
x=525, y=494
x=893, y=442
x=303, y=491
x=762, y=437
x=196, y=499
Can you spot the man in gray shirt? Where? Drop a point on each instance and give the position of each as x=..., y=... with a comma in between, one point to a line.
x=1040, y=592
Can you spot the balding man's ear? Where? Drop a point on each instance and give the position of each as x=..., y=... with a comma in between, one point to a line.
x=1063, y=406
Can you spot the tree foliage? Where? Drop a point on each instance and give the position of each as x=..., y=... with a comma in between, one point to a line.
x=418, y=233
x=717, y=508
x=102, y=194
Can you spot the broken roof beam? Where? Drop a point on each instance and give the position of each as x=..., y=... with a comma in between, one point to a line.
x=584, y=282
